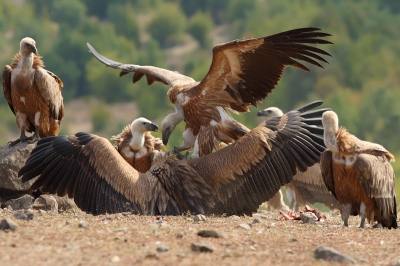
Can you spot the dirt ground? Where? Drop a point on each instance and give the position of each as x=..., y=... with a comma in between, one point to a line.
x=76, y=238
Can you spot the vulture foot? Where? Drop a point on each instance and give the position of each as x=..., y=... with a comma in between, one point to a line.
x=13, y=143
x=23, y=139
x=178, y=154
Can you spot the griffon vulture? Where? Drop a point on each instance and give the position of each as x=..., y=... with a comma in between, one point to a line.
x=241, y=74
x=233, y=180
x=136, y=144
x=359, y=175
x=306, y=187
x=33, y=94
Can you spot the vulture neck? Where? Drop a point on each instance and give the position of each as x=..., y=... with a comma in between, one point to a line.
x=330, y=133
x=137, y=141
x=26, y=62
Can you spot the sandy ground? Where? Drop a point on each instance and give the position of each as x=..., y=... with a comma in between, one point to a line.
x=76, y=238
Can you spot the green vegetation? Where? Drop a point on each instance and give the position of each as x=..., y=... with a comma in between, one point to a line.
x=360, y=83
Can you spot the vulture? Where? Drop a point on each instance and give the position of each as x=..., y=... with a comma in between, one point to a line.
x=306, y=187
x=33, y=94
x=241, y=74
x=136, y=144
x=359, y=175
x=233, y=180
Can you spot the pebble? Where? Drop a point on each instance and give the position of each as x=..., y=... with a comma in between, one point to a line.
x=199, y=218
x=46, y=202
x=244, y=226
x=234, y=217
x=8, y=224
x=256, y=221
x=115, y=259
x=22, y=203
x=162, y=248
x=330, y=254
x=24, y=215
x=309, y=217
x=179, y=235
x=202, y=247
x=83, y=224
x=209, y=233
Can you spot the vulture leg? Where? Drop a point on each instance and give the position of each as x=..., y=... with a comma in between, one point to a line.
x=291, y=197
x=22, y=138
x=177, y=152
x=35, y=137
x=362, y=215
x=345, y=212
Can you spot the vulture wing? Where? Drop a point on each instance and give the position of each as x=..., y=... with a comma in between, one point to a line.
x=377, y=177
x=6, y=82
x=234, y=180
x=152, y=73
x=49, y=86
x=326, y=170
x=244, y=71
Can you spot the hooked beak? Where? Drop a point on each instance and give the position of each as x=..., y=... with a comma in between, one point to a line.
x=261, y=113
x=154, y=127
x=33, y=49
x=165, y=138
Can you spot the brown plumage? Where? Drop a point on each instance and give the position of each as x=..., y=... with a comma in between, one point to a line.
x=136, y=144
x=359, y=175
x=306, y=187
x=33, y=94
x=241, y=74
x=233, y=180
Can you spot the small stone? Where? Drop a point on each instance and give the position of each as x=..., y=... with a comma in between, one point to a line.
x=202, y=247
x=46, y=202
x=396, y=263
x=69, y=245
x=234, y=217
x=179, y=235
x=8, y=224
x=199, y=218
x=83, y=224
x=294, y=240
x=330, y=254
x=256, y=221
x=244, y=226
x=21, y=203
x=377, y=226
x=162, y=248
x=209, y=233
x=24, y=215
x=42, y=212
x=309, y=217
x=115, y=259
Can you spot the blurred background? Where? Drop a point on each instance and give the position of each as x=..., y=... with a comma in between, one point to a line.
x=361, y=82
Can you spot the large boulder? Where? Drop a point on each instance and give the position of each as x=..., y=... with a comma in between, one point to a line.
x=11, y=160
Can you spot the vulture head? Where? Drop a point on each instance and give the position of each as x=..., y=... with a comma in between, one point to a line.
x=270, y=112
x=143, y=125
x=330, y=121
x=28, y=46
x=168, y=125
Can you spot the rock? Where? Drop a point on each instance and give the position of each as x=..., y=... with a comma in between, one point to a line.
x=199, y=218
x=396, y=263
x=45, y=202
x=83, y=224
x=256, y=221
x=11, y=160
x=179, y=235
x=24, y=215
x=65, y=203
x=202, y=247
x=209, y=233
x=234, y=217
x=115, y=259
x=294, y=240
x=21, y=203
x=8, y=224
x=330, y=254
x=162, y=248
x=244, y=226
x=308, y=217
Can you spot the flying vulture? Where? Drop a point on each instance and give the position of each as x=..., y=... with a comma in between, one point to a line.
x=306, y=187
x=136, y=144
x=33, y=94
x=359, y=175
x=241, y=74
x=233, y=180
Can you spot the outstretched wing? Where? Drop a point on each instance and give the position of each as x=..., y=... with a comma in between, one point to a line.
x=90, y=170
x=377, y=177
x=234, y=180
x=6, y=82
x=326, y=170
x=152, y=73
x=243, y=72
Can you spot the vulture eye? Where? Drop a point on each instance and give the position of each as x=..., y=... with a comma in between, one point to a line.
x=144, y=123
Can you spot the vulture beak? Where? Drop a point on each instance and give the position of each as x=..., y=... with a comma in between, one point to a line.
x=153, y=127
x=165, y=137
x=33, y=49
x=261, y=113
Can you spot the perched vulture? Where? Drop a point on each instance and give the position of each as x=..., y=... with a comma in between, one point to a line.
x=306, y=187
x=136, y=144
x=233, y=180
x=359, y=175
x=33, y=94
x=241, y=74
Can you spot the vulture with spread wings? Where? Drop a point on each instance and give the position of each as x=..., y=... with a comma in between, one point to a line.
x=359, y=175
x=241, y=74
x=233, y=180
x=33, y=94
